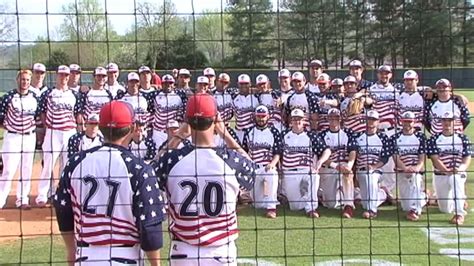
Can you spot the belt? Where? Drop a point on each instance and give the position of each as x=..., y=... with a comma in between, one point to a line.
x=386, y=129
x=82, y=244
x=22, y=133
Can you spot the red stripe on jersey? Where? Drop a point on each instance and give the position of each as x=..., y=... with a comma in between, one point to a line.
x=387, y=111
x=437, y=127
x=243, y=119
x=172, y=208
x=364, y=160
x=409, y=159
x=356, y=123
x=261, y=156
x=228, y=221
x=113, y=242
x=216, y=239
x=296, y=160
x=18, y=121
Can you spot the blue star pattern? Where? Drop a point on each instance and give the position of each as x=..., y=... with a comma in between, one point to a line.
x=74, y=143
x=318, y=145
x=14, y=115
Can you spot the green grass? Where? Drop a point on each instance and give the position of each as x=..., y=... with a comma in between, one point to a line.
x=469, y=93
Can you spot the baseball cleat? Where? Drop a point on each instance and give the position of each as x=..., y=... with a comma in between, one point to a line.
x=412, y=216
x=313, y=214
x=41, y=204
x=348, y=212
x=369, y=214
x=271, y=214
x=25, y=207
x=457, y=219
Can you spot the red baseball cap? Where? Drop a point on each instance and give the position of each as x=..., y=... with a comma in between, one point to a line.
x=116, y=114
x=201, y=105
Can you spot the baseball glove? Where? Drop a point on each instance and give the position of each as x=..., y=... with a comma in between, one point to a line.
x=355, y=106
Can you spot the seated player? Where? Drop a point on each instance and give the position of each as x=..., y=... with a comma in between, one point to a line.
x=142, y=145
x=87, y=139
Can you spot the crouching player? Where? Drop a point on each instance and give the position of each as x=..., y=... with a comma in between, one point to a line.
x=303, y=155
x=409, y=158
x=337, y=179
x=451, y=156
x=263, y=144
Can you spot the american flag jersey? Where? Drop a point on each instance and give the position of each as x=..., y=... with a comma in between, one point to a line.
x=285, y=95
x=115, y=89
x=220, y=142
x=437, y=108
x=166, y=107
x=450, y=149
x=409, y=147
x=371, y=149
x=413, y=102
x=323, y=122
x=385, y=102
x=272, y=100
x=306, y=101
x=139, y=104
x=145, y=149
x=313, y=88
x=60, y=108
x=262, y=144
x=224, y=105
x=81, y=142
x=18, y=112
x=202, y=185
x=108, y=203
x=340, y=142
x=300, y=150
x=93, y=100
x=244, y=108
x=355, y=122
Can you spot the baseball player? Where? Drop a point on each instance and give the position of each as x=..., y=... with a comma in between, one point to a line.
x=202, y=85
x=353, y=106
x=136, y=98
x=315, y=68
x=220, y=142
x=264, y=145
x=451, y=155
x=337, y=182
x=356, y=69
x=409, y=156
x=145, y=79
x=446, y=102
x=326, y=100
x=142, y=145
x=108, y=203
x=411, y=100
x=87, y=139
x=172, y=130
x=244, y=104
x=198, y=192
x=373, y=149
x=284, y=79
x=304, y=100
x=303, y=155
x=112, y=84
x=223, y=98
x=184, y=78
x=37, y=80
x=75, y=77
x=18, y=112
x=271, y=99
x=337, y=87
x=60, y=112
x=211, y=75
x=165, y=105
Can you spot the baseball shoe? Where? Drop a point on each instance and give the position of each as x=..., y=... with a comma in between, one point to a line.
x=271, y=214
x=369, y=215
x=457, y=219
x=390, y=200
x=431, y=200
x=412, y=216
x=313, y=214
x=25, y=207
x=358, y=202
x=348, y=212
x=41, y=204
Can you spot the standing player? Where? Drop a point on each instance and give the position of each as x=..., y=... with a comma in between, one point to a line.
x=337, y=178
x=18, y=111
x=315, y=68
x=303, y=155
x=326, y=100
x=284, y=79
x=411, y=100
x=202, y=85
x=264, y=145
x=145, y=79
x=373, y=149
x=271, y=99
x=353, y=106
x=136, y=98
x=172, y=130
x=112, y=84
x=356, y=69
x=108, y=203
x=244, y=104
x=224, y=98
x=184, y=78
x=87, y=139
x=60, y=113
x=202, y=184
x=451, y=155
x=304, y=100
x=37, y=80
x=74, y=77
x=142, y=145
x=211, y=75
x=409, y=156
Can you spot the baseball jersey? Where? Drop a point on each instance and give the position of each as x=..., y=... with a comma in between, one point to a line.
x=166, y=106
x=413, y=102
x=38, y=91
x=139, y=104
x=116, y=202
x=81, y=142
x=272, y=100
x=224, y=105
x=450, y=149
x=18, y=112
x=355, y=122
x=323, y=122
x=371, y=149
x=339, y=142
x=436, y=109
x=306, y=101
x=409, y=147
x=180, y=145
x=150, y=89
x=220, y=142
x=364, y=84
x=244, y=107
x=313, y=88
x=114, y=89
x=76, y=88
x=145, y=149
x=262, y=144
x=285, y=95
x=202, y=185
x=385, y=102
x=60, y=108
x=300, y=150
x=93, y=100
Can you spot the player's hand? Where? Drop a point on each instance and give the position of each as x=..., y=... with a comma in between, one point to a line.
x=372, y=167
x=343, y=168
x=220, y=126
x=461, y=168
x=269, y=167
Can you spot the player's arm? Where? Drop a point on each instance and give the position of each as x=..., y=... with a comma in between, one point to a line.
x=183, y=133
x=244, y=168
x=385, y=154
x=465, y=116
x=72, y=146
x=319, y=149
x=229, y=140
x=466, y=155
x=3, y=108
x=151, y=149
x=277, y=149
x=313, y=108
x=79, y=111
x=433, y=152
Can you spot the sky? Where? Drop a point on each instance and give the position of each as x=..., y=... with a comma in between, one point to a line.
x=33, y=21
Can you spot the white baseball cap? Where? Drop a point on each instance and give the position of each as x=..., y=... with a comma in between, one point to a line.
x=100, y=71
x=184, y=71
x=350, y=79
x=39, y=67
x=355, y=63
x=373, y=114
x=298, y=76
x=173, y=124
x=410, y=74
x=203, y=80
x=112, y=67
x=167, y=79
x=443, y=82
x=144, y=69
x=62, y=69
x=284, y=73
x=323, y=78
x=385, y=68
x=75, y=68
x=243, y=78
x=334, y=111
x=224, y=77
x=209, y=72
x=315, y=62
x=261, y=110
x=261, y=79
x=448, y=115
x=408, y=115
x=297, y=113
x=337, y=82
x=93, y=119
x=133, y=76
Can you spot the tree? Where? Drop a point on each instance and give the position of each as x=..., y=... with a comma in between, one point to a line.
x=57, y=58
x=250, y=31
x=7, y=31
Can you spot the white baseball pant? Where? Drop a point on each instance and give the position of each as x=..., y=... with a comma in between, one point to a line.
x=264, y=194
x=184, y=254
x=301, y=189
x=450, y=192
x=17, y=150
x=371, y=194
x=159, y=137
x=54, y=147
x=337, y=189
x=109, y=255
x=412, y=196
x=389, y=176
